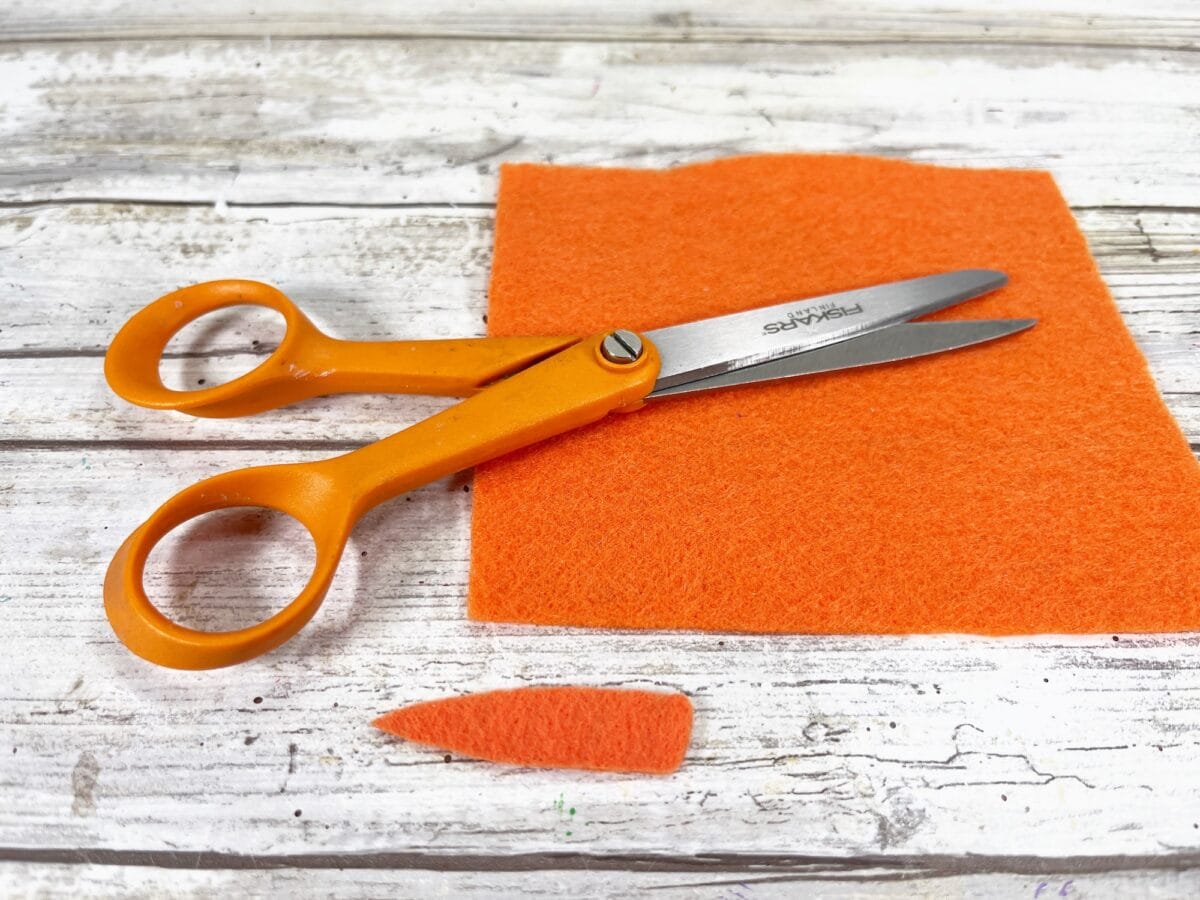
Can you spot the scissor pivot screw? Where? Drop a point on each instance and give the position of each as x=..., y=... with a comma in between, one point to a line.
x=622, y=347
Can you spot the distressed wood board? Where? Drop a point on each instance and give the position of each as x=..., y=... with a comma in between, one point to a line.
x=389, y=122
x=1150, y=23
x=348, y=154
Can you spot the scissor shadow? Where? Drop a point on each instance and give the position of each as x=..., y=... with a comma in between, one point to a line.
x=395, y=557
x=229, y=569
x=220, y=346
x=233, y=568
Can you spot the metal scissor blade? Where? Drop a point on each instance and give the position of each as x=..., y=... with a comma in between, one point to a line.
x=696, y=350
x=899, y=342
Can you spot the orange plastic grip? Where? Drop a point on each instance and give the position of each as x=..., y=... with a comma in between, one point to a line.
x=307, y=362
x=570, y=389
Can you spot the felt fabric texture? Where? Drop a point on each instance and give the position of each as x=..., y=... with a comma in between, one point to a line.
x=555, y=727
x=1034, y=484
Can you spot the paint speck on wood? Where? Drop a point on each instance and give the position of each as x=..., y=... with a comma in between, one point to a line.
x=83, y=784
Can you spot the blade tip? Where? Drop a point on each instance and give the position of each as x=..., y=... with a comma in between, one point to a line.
x=992, y=276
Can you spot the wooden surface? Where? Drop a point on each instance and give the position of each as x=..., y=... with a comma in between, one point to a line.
x=347, y=152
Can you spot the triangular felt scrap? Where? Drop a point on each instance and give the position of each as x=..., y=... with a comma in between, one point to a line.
x=556, y=727
x=1034, y=484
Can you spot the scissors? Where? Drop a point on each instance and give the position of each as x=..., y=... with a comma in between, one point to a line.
x=519, y=390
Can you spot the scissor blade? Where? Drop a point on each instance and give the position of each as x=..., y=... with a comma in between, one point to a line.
x=696, y=350
x=899, y=342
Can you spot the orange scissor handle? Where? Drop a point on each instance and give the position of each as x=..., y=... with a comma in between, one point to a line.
x=569, y=389
x=307, y=362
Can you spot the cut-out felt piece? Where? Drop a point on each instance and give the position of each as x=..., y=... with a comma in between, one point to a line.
x=1034, y=484
x=567, y=727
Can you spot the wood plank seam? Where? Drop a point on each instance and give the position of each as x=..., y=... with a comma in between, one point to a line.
x=799, y=866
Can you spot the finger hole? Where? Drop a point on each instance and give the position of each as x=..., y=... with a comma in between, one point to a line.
x=220, y=346
x=229, y=569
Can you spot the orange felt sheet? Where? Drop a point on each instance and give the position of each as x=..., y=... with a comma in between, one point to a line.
x=1036, y=484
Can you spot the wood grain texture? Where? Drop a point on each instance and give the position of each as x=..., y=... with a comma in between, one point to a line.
x=41, y=880
x=151, y=145
x=1152, y=23
x=393, y=122
x=836, y=745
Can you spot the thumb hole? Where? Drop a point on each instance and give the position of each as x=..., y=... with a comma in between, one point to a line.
x=220, y=346
x=230, y=568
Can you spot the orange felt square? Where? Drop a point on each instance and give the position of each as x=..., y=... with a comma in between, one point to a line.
x=1035, y=484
